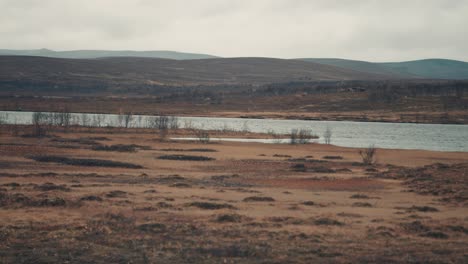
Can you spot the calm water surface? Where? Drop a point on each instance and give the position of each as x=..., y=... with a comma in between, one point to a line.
x=348, y=134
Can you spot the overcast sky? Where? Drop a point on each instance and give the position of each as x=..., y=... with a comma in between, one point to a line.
x=375, y=30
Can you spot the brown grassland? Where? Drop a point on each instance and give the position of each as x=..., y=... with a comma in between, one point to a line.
x=127, y=196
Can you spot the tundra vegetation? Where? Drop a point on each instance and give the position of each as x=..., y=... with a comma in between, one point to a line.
x=95, y=194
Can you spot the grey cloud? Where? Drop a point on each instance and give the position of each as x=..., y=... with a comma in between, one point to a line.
x=356, y=29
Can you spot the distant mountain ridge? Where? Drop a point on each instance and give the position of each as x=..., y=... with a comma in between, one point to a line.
x=93, y=54
x=427, y=68
x=32, y=71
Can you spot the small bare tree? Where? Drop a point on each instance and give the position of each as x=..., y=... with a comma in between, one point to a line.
x=327, y=135
x=173, y=122
x=202, y=135
x=300, y=136
x=368, y=155
x=128, y=117
x=85, y=120
x=39, y=124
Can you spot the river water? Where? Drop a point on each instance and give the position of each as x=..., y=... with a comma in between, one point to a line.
x=440, y=137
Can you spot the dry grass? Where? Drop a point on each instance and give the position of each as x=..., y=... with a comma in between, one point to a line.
x=238, y=208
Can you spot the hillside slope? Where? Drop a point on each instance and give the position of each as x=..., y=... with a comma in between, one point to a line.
x=429, y=68
x=92, y=54
x=127, y=71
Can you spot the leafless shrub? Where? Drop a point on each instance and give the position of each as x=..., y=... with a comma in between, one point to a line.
x=301, y=136
x=368, y=155
x=85, y=120
x=173, y=122
x=159, y=122
x=3, y=118
x=98, y=120
x=277, y=138
x=128, y=117
x=202, y=135
x=40, y=127
x=327, y=135
x=188, y=124
x=245, y=127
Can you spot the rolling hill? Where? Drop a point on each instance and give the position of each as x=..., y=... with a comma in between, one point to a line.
x=134, y=72
x=428, y=68
x=92, y=54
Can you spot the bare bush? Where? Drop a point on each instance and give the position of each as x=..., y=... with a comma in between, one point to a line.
x=85, y=120
x=173, y=122
x=128, y=117
x=327, y=135
x=277, y=138
x=3, y=118
x=188, y=124
x=98, y=120
x=245, y=127
x=39, y=121
x=368, y=155
x=301, y=136
x=202, y=135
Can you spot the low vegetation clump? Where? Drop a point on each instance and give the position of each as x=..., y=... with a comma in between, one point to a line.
x=328, y=221
x=189, y=150
x=333, y=157
x=449, y=182
x=91, y=198
x=423, y=209
x=84, y=162
x=185, y=157
x=299, y=167
x=359, y=196
x=229, y=218
x=117, y=194
x=435, y=234
x=152, y=227
x=368, y=155
x=48, y=186
x=211, y=206
x=301, y=136
x=362, y=204
x=321, y=169
x=118, y=148
x=180, y=185
x=281, y=156
x=258, y=199
x=83, y=141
